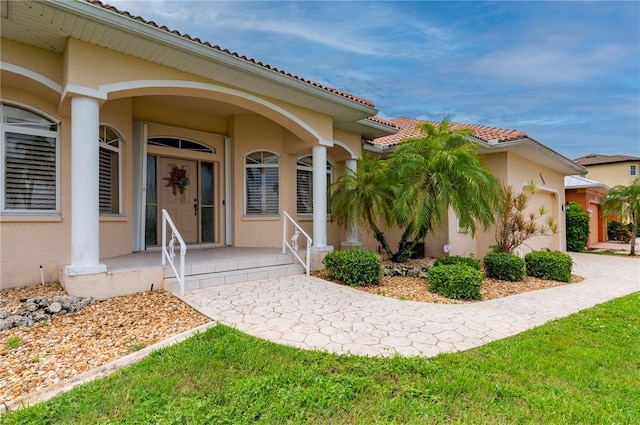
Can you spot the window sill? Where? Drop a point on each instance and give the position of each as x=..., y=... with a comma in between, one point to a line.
x=31, y=218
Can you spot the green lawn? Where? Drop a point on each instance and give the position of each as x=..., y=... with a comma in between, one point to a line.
x=581, y=369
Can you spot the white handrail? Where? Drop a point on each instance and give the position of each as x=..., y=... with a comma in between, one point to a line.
x=169, y=253
x=294, y=241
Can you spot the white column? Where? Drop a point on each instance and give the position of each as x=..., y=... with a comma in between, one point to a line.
x=85, y=213
x=352, y=233
x=319, y=196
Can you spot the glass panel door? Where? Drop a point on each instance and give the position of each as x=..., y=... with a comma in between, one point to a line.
x=207, y=203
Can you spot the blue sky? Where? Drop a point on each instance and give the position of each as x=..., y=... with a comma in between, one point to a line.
x=566, y=73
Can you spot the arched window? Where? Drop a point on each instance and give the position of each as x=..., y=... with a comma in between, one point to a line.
x=304, y=184
x=262, y=184
x=29, y=155
x=110, y=149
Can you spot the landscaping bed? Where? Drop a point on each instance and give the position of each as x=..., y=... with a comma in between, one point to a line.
x=74, y=343
x=416, y=288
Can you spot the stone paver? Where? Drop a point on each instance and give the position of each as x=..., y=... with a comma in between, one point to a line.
x=311, y=313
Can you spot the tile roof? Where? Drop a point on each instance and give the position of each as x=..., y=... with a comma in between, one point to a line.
x=408, y=127
x=597, y=159
x=350, y=96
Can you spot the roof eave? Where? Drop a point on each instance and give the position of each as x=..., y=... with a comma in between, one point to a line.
x=569, y=166
x=106, y=17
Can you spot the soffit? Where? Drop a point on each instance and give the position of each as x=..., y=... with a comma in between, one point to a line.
x=47, y=25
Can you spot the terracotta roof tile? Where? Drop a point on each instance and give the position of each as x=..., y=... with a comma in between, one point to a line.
x=347, y=95
x=596, y=159
x=408, y=127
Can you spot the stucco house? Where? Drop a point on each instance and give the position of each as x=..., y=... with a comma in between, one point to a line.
x=588, y=193
x=612, y=170
x=107, y=119
x=516, y=159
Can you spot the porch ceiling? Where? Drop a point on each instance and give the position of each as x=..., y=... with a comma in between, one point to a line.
x=47, y=25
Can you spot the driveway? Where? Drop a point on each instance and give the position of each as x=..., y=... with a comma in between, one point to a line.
x=310, y=313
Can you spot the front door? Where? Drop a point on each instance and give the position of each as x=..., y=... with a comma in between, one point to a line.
x=178, y=194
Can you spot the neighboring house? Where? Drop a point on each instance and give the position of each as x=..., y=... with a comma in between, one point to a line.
x=612, y=170
x=588, y=194
x=516, y=159
x=107, y=119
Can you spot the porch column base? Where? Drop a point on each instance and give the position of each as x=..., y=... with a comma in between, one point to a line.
x=81, y=270
x=104, y=285
x=350, y=244
x=317, y=255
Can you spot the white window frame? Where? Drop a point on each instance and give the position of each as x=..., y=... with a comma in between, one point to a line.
x=261, y=165
x=301, y=166
x=633, y=170
x=119, y=150
x=10, y=128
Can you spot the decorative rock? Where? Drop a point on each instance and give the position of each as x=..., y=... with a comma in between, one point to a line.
x=30, y=306
x=40, y=316
x=54, y=307
x=5, y=324
x=41, y=309
x=16, y=321
x=65, y=300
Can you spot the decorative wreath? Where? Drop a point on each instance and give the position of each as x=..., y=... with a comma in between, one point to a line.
x=178, y=179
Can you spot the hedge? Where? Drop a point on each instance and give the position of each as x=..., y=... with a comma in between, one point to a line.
x=457, y=281
x=504, y=266
x=550, y=265
x=355, y=267
x=456, y=259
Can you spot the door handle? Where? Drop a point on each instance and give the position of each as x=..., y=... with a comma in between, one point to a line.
x=195, y=206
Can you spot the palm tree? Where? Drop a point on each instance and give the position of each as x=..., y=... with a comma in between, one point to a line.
x=435, y=172
x=364, y=197
x=625, y=202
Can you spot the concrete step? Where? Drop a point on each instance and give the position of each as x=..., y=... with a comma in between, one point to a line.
x=206, y=280
x=206, y=266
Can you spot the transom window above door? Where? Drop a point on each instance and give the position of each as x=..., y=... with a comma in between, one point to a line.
x=178, y=143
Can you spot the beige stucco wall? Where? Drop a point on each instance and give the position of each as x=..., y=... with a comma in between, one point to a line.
x=613, y=174
x=23, y=244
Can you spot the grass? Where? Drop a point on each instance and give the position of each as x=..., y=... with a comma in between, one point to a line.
x=581, y=369
x=12, y=342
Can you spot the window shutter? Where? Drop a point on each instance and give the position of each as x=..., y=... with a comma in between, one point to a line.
x=305, y=192
x=272, y=190
x=106, y=181
x=30, y=176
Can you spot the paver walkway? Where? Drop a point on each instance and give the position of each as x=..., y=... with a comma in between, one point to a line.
x=314, y=314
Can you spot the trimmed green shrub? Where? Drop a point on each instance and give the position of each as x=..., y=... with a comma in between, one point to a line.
x=456, y=259
x=504, y=266
x=457, y=281
x=355, y=267
x=551, y=265
x=577, y=227
x=617, y=231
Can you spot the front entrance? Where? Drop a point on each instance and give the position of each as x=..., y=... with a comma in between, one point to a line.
x=178, y=194
x=186, y=189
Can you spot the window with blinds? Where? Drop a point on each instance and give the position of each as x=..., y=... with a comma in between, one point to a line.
x=29, y=161
x=109, y=170
x=304, y=184
x=262, y=184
